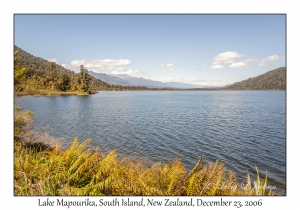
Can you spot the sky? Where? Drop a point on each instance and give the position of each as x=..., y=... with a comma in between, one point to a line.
x=198, y=49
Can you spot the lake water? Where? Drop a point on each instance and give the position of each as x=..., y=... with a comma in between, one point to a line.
x=244, y=129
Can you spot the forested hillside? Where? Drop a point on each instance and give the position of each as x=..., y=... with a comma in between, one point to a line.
x=43, y=77
x=272, y=80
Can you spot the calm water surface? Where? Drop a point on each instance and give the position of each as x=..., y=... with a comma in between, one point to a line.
x=244, y=129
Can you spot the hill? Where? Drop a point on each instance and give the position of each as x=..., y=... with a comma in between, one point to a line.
x=126, y=80
x=272, y=80
x=110, y=79
x=135, y=81
x=42, y=77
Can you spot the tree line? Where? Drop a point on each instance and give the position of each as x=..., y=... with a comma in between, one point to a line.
x=39, y=74
x=272, y=80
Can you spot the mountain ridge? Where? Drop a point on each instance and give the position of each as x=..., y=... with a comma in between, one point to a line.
x=127, y=80
x=272, y=80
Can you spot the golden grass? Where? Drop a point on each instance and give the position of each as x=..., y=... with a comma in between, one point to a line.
x=81, y=171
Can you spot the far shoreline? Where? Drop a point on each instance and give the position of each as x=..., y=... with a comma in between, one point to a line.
x=76, y=93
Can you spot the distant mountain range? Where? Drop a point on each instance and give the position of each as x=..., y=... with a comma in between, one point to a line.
x=126, y=80
x=272, y=80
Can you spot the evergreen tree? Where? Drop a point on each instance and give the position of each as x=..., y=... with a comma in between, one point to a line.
x=18, y=73
x=64, y=84
x=85, y=79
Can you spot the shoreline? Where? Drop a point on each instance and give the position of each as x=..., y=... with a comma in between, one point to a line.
x=77, y=93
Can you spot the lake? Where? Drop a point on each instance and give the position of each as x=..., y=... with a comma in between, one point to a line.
x=244, y=129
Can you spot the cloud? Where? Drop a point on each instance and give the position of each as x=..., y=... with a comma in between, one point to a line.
x=223, y=58
x=103, y=64
x=167, y=66
x=53, y=60
x=106, y=65
x=250, y=60
x=230, y=58
x=216, y=66
x=202, y=69
x=239, y=65
x=192, y=81
x=128, y=71
x=77, y=63
x=262, y=64
x=272, y=58
x=269, y=59
x=226, y=57
x=67, y=66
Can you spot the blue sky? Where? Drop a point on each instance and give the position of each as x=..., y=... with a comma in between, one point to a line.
x=197, y=49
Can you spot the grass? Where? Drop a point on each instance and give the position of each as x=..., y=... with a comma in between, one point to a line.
x=43, y=170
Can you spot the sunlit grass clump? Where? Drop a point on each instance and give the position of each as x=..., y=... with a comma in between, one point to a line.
x=78, y=170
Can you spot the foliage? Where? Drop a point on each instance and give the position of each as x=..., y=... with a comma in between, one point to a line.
x=259, y=186
x=85, y=172
x=22, y=122
x=272, y=80
x=42, y=75
x=34, y=76
x=18, y=72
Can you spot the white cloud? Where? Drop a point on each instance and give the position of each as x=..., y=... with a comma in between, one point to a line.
x=216, y=66
x=167, y=66
x=128, y=71
x=53, y=60
x=226, y=57
x=272, y=58
x=191, y=81
x=238, y=65
x=262, y=64
x=67, y=66
x=94, y=70
x=106, y=65
x=77, y=63
x=103, y=64
x=109, y=65
x=223, y=58
x=250, y=60
x=202, y=69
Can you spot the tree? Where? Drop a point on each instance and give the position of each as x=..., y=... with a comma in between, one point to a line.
x=85, y=79
x=64, y=83
x=18, y=73
x=53, y=74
